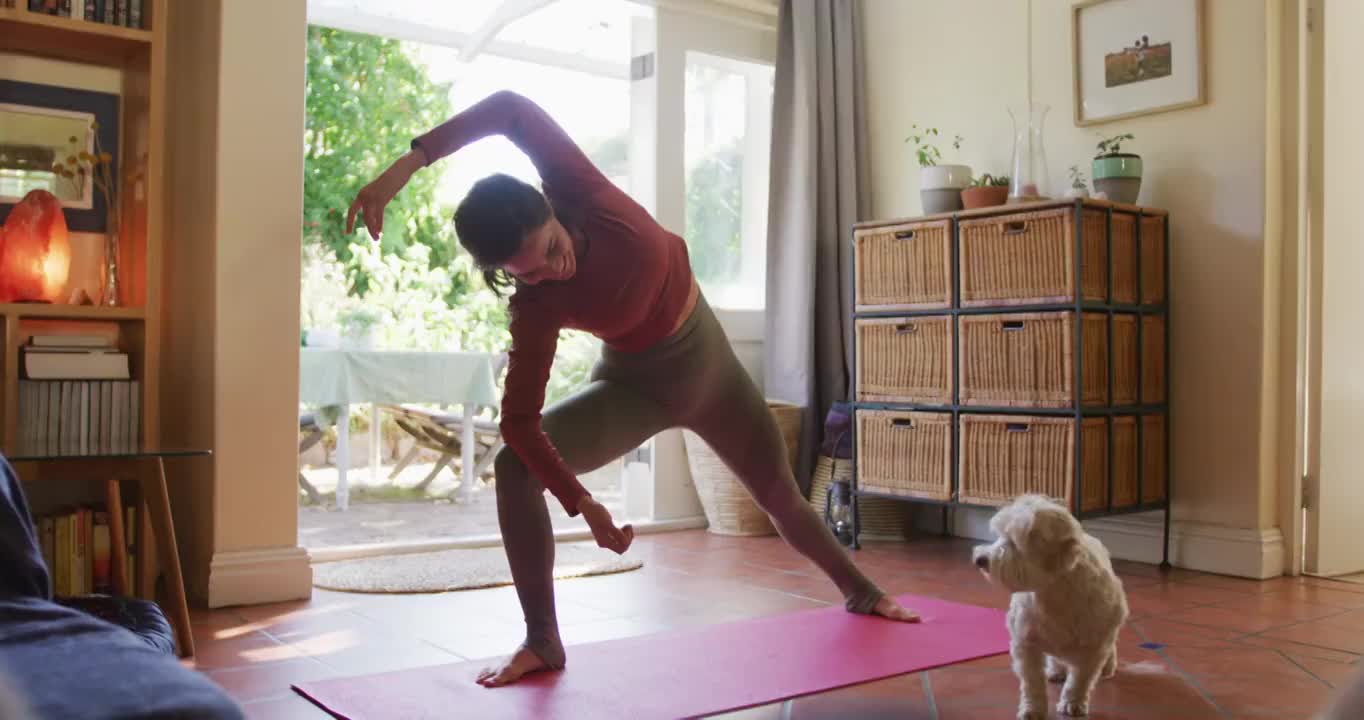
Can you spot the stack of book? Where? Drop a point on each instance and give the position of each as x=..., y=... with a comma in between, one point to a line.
x=76, y=397
x=124, y=13
x=77, y=547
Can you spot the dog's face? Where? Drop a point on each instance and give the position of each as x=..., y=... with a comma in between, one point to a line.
x=1037, y=541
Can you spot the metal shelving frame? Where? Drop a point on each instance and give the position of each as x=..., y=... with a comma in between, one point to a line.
x=1077, y=409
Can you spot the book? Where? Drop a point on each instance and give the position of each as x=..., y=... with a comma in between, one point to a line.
x=53, y=417
x=71, y=340
x=135, y=14
x=130, y=529
x=75, y=365
x=88, y=571
x=46, y=536
x=106, y=417
x=61, y=563
x=103, y=555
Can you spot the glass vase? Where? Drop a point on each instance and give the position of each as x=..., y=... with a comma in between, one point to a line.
x=1029, y=179
x=109, y=290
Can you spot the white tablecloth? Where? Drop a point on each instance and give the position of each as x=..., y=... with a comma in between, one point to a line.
x=347, y=377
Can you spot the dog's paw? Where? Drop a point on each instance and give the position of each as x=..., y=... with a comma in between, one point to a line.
x=1073, y=708
x=1032, y=715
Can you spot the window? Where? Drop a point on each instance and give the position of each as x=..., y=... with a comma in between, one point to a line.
x=728, y=133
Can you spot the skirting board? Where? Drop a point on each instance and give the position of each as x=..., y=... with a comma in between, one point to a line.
x=252, y=577
x=351, y=552
x=1238, y=552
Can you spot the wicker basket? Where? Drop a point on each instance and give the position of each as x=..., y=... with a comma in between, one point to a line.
x=1027, y=360
x=907, y=454
x=1153, y=458
x=1003, y=457
x=904, y=360
x=1123, y=231
x=729, y=507
x=1153, y=259
x=1153, y=359
x=1029, y=258
x=904, y=267
x=877, y=518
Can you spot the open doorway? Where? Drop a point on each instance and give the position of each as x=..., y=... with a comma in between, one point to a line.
x=378, y=467
x=1330, y=348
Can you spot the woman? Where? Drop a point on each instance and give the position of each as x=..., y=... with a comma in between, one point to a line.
x=584, y=255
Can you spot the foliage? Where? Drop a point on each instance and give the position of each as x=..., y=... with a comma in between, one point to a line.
x=366, y=99
x=1077, y=178
x=988, y=180
x=925, y=147
x=406, y=299
x=715, y=215
x=1113, y=145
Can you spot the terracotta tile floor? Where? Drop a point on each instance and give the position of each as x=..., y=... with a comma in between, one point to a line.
x=1198, y=646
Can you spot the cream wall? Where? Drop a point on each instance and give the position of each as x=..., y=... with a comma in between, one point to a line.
x=233, y=264
x=957, y=63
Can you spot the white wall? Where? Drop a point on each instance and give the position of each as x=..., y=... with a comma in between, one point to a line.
x=957, y=64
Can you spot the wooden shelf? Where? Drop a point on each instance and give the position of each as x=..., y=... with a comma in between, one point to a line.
x=70, y=312
x=30, y=32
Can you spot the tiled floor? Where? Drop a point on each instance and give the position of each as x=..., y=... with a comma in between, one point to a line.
x=1198, y=646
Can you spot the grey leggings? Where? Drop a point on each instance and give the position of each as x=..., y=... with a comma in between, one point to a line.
x=691, y=380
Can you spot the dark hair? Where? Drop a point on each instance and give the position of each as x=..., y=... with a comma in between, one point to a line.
x=493, y=220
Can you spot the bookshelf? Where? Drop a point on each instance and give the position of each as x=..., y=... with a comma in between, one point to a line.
x=139, y=55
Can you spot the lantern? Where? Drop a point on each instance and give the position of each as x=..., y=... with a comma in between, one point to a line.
x=35, y=254
x=838, y=511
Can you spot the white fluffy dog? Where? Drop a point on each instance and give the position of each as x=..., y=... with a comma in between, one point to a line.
x=1067, y=605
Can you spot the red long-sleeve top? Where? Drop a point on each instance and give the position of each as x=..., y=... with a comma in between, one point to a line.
x=630, y=288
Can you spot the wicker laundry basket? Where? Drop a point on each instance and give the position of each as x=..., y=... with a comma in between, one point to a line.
x=729, y=507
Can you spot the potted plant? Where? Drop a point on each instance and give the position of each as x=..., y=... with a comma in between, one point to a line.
x=357, y=328
x=1117, y=174
x=940, y=186
x=1078, y=188
x=986, y=191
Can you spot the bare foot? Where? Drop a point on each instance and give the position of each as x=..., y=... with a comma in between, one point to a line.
x=522, y=662
x=886, y=607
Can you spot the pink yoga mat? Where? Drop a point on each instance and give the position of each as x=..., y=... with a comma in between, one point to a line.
x=685, y=674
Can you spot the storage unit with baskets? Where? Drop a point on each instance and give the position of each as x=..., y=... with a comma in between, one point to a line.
x=1014, y=349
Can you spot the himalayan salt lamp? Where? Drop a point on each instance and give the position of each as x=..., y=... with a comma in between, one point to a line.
x=35, y=254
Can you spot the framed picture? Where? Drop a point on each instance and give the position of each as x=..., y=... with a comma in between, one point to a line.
x=41, y=125
x=1136, y=57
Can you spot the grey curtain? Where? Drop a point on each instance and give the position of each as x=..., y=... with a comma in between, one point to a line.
x=817, y=192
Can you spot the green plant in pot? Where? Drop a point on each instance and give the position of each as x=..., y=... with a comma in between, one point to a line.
x=940, y=186
x=986, y=191
x=357, y=327
x=1117, y=174
x=1078, y=188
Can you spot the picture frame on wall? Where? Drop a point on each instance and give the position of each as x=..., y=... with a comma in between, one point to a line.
x=37, y=124
x=1136, y=57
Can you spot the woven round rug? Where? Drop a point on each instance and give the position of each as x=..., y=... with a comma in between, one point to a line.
x=447, y=570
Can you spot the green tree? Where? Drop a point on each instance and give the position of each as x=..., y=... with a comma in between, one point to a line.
x=715, y=215
x=366, y=99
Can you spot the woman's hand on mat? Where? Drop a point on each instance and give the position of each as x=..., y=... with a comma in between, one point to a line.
x=374, y=197
x=604, y=528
